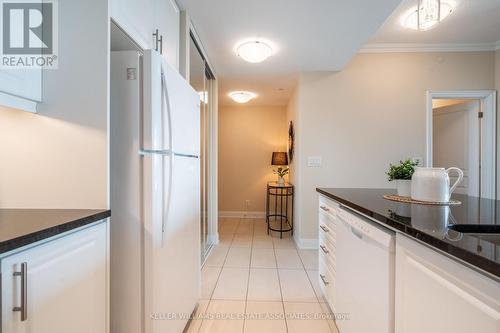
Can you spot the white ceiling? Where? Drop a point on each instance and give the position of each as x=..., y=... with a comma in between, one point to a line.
x=309, y=35
x=471, y=22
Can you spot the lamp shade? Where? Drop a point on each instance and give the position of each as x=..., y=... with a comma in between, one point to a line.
x=279, y=158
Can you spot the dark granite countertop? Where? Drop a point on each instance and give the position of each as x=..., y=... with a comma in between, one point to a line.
x=20, y=227
x=432, y=224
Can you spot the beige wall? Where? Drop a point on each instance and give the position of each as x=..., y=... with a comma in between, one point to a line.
x=368, y=115
x=247, y=137
x=58, y=157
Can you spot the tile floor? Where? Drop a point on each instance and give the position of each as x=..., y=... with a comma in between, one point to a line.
x=253, y=282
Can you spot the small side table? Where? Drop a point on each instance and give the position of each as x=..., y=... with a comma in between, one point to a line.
x=279, y=197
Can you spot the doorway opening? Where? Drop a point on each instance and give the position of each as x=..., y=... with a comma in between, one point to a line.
x=461, y=132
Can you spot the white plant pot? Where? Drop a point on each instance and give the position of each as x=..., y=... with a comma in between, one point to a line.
x=404, y=187
x=281, y=180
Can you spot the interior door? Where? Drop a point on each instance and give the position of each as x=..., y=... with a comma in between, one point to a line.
x=66, y=285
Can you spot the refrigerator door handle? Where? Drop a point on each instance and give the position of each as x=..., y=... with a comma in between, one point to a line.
x=168, y=192
x=166, y=106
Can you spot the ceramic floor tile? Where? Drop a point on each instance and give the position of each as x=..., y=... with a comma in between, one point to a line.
x=242, y=240
x=228, y=226
x=309, y=258
x=295, y=286
x=306, y=317
x=245, y=227
x=264, y=317
x=225, y=239
x=286, y=242
x=288, y=258
x=313, y=278
x=331, y=321
x=224, y=317
x=232, y=284
x=209, y=276
x=195, y=323
x=264, y=285
x=238, y=257
x=263, y=258
x=262, y=242
x=217, y=256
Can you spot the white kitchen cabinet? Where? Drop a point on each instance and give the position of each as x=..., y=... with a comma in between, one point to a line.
x=136, y=18
x=436, y=294
x=167, y=18
x=66, y=285
x=140, y=19
x=21, y=88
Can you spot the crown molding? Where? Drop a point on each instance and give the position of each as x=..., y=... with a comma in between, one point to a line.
x=415, y=47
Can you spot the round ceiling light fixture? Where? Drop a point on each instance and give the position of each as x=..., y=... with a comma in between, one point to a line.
x=242, y=97
x=255, y=50
x=427, y=14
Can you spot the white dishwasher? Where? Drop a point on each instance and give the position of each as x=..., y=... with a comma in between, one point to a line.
x=365, y=275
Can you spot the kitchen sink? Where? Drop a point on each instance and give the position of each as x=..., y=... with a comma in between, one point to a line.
x=476, y=228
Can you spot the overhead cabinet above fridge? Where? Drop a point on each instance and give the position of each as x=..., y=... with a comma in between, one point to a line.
x=152, y=24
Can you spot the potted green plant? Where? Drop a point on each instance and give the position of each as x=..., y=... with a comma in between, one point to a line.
x=402, y=174
x=281, y=172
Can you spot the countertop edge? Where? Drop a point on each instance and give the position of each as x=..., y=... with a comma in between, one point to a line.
x=465, y=257
x=40, y=235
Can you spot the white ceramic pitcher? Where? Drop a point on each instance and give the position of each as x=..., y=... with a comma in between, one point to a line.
x=433, y=184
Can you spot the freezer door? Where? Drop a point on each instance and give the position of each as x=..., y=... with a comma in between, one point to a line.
x=183, y=104
x=155, y=136
x=176, y=264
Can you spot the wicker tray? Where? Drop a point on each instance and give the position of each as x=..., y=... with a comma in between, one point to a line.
x=409, y=200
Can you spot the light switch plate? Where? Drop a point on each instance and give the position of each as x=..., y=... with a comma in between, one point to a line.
x=314, y=161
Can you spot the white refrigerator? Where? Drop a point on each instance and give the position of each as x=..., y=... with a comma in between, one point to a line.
x=155, y=195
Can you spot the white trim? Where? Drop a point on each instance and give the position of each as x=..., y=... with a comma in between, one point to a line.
x=489, y=107
x=242, y=214
x=416, y=47
x=306, y=243
x=16, y=102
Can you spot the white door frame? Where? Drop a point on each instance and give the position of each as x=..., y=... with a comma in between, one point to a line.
x=488, y=107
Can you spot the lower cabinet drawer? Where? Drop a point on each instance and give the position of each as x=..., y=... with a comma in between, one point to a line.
x=327, y=252
x=327, y=282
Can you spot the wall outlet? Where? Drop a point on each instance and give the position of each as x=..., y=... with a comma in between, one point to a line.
x=418, y=160
x=314, y=161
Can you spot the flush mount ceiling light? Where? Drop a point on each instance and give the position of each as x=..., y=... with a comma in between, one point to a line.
x=254, y=51
x=427, y=14
x=242, y=96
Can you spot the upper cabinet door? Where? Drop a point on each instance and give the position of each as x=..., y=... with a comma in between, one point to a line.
x=21, y=88
x=136, y=18
x=167, y=21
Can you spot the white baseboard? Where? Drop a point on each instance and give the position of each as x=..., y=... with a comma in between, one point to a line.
x=307, y=243
x=242, y=214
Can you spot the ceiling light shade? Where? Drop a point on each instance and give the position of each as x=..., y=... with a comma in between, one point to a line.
x=427, y=14
x=254, y=51
x=242, y=96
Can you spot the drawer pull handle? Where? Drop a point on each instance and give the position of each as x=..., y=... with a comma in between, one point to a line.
x=324, y=280
x=324, y=249
x=24, y=292
x=324, y=208
x=325, y=229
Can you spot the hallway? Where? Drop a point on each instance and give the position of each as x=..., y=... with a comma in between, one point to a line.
x=253, y=282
